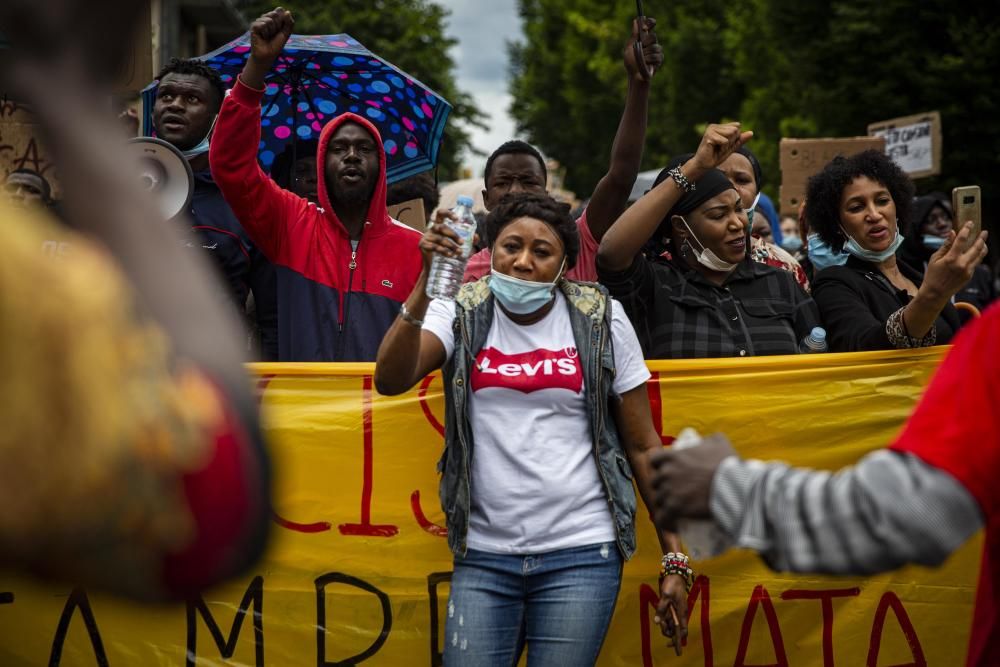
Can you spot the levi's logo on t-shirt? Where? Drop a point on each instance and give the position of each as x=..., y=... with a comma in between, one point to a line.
x=528, y=371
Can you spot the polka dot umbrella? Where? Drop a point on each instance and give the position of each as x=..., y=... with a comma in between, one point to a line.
x=318, y=77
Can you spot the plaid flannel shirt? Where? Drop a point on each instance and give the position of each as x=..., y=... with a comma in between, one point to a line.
x=678, y=314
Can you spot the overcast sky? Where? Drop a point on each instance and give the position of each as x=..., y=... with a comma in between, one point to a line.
x=482, y=28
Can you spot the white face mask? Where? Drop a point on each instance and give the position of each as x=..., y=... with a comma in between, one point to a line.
x=864, y=253
x=520, y=296
x=706, y=257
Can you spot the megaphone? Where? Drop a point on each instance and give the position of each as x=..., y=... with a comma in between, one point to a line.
x=163, y=171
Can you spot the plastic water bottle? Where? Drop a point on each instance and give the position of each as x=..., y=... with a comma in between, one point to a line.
x=446, y=272
x=814, y=342
x=701, y=537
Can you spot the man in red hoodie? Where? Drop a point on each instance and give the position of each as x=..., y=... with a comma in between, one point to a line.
x=344, y=266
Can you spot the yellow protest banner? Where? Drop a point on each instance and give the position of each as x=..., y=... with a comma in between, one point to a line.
x=358, y=569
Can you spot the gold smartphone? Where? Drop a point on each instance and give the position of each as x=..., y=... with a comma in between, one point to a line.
x=966, y=205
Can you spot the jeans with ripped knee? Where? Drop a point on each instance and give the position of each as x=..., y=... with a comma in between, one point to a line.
x=559, y=604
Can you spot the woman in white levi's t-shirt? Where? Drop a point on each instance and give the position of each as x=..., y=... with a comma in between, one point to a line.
x=541, y=565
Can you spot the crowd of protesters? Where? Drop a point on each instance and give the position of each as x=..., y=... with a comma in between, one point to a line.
x=701, y=266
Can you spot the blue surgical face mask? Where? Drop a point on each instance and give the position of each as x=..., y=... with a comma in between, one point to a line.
x=521, y=297
x=861, y=252
x=822, y=256
x=792, y=243
x=202, y=146
x=932, y=242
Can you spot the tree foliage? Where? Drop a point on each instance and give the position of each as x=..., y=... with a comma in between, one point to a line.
x=782, y=67
x=408, y=33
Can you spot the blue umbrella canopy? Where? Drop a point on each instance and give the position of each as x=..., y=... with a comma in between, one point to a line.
x=318, y=77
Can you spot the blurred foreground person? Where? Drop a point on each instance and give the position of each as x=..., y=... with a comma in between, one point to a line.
x=915, y=502
x=130, y=457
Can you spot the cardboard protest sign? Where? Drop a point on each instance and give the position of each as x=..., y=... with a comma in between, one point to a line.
x=410, y=213
x=802, y=158
x=914, y=142
x=19, y=144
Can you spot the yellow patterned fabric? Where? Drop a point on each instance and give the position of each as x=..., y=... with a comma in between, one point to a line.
x=97, y=426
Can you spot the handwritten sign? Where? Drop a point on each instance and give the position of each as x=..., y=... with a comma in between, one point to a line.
x=410, y=213
x=914, y=142
x=802, y=158
x=19, y=144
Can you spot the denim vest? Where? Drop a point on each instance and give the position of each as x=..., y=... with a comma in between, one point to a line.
x=590, y=315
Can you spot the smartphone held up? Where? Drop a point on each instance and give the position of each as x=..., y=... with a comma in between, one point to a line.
x=966, y=206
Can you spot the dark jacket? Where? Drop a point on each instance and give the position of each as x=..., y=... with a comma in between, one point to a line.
x=334, y=303
x=978, y=291
x=679, y=314
x=243, y=266
x=855, y=301
x=590, y=317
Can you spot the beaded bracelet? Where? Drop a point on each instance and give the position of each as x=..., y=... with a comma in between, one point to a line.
x=681, y=180
x=677, y=563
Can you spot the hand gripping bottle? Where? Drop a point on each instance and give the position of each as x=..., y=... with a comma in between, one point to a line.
x=446, y=272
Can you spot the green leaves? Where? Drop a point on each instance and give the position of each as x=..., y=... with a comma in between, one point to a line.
x=782, y=67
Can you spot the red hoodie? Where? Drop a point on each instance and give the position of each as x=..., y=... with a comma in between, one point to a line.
x=334, y=303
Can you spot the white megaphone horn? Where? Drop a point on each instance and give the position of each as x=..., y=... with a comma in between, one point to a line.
x=163, y=171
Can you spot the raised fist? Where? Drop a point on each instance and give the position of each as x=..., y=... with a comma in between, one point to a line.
x=269, y=33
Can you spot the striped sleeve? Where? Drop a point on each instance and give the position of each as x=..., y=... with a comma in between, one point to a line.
x=848, y=522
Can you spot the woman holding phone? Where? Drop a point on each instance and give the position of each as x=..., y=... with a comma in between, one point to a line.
x=874, y=301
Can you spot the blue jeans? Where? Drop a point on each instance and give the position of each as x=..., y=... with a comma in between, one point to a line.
x=559, y=603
